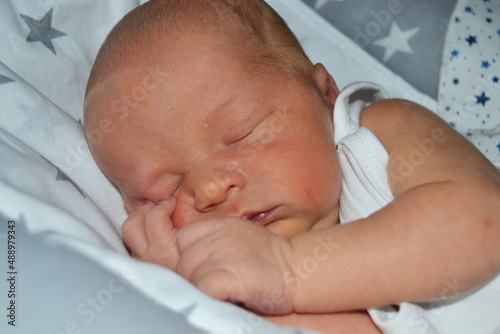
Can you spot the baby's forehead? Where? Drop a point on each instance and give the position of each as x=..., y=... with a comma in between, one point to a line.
x=207, y=88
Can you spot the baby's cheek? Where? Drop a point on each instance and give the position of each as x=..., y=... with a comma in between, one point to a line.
x=308, y=194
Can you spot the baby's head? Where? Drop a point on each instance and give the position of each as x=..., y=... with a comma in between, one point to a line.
x=215, y=103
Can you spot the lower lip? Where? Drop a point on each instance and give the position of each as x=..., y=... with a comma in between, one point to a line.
x=264, y=218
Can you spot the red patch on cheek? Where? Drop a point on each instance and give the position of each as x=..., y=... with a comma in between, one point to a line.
x=310, y=196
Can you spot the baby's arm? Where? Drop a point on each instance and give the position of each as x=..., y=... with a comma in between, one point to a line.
x=356, y=322
x=439, y=237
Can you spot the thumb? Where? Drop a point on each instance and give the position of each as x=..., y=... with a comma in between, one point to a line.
x=158, y=222
x=162, y=235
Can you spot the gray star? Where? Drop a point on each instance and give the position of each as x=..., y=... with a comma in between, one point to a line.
x=61, y=176
x=42, y=31
x=397, y=40
x=28, y=120
x=4, y=80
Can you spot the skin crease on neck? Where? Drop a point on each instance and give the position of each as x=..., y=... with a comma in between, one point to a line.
x=225, y=139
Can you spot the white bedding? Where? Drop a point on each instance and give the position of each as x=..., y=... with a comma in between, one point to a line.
x=72, y=271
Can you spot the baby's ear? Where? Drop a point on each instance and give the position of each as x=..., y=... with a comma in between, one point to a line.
x=326, y=83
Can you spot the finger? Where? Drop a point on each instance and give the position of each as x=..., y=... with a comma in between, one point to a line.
x=158, y=224
x=133, y=231
x=194, y=231
x=206, y=245
x=162, y=235
x=223, y=284
x=220, y=284
x=197, y=254
x=204, y=241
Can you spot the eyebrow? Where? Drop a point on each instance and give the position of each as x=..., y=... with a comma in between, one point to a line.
x=220, y=112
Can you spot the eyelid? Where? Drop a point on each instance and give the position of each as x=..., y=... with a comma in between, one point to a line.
x=246, y=133
x=171, y=192
x=158, y=193
x=238, y=141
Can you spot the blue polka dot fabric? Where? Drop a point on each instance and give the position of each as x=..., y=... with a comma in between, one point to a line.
x=469, y=91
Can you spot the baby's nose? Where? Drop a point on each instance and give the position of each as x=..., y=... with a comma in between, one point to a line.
x=205, y=196
x=216, y=188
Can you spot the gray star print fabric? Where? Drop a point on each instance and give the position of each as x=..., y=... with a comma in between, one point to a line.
x=76, y=273
x=42, y=31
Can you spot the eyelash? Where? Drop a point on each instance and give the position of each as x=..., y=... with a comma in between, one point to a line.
x=163, y=197
x=245, y=134
x=240, y=140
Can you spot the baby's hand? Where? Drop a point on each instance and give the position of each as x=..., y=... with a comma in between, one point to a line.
x=150, y=235
x=236, y=260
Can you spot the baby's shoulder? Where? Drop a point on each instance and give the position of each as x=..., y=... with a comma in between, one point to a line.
x=423, y=148
x=396, y=122
x=397, y=113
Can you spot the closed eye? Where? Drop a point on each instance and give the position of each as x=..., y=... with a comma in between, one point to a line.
x=256, y=129
x=172, y=190
x=160, y=190
x=244, y=138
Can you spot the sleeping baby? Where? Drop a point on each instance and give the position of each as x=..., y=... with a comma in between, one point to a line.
x=244, y=169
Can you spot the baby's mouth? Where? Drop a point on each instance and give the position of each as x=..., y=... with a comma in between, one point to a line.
x=261, y=218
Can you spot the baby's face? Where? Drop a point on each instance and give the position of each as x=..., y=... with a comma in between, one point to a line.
x=222, y=141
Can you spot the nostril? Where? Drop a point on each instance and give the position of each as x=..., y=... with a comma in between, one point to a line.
x=213, y=189
x=209, y=197
x=209, y=208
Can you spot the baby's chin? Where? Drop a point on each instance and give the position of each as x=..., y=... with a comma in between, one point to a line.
x=292, y=226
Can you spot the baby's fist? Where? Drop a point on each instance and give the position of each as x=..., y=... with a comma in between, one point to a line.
x=150, y=234
x=239, y=261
